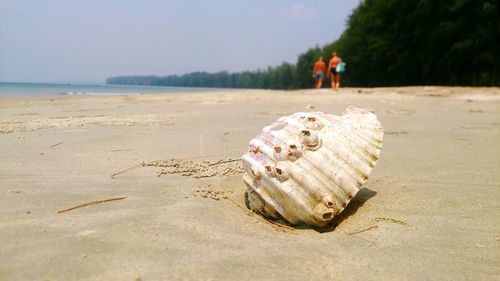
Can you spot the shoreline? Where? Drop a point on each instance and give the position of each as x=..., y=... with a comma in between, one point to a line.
x=425, y=90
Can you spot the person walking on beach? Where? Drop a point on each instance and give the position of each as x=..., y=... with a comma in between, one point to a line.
x=332, y=71
x=319, y=72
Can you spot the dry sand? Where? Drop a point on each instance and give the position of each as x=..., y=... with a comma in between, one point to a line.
x=183, y=217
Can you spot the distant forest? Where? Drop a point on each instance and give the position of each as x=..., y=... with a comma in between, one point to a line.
x=386, y=43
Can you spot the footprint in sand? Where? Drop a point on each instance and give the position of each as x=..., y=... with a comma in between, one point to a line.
x=224, y=137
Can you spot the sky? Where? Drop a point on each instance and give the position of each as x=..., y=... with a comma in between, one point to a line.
x=57, y=41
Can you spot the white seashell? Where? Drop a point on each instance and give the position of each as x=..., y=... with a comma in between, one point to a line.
x=306, y=167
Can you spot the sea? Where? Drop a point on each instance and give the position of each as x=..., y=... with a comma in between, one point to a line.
x=8, y=89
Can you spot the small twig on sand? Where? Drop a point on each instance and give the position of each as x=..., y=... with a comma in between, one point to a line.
x=396, y=133
x=118, y=150
x=281, y=225
x=392, y=220
x=128, y=169
x=92, y=203
x=274, y=224
x=225, y=161
x=363, y=230
x=56, y=144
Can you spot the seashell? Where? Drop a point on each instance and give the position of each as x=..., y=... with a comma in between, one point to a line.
x=306, y=167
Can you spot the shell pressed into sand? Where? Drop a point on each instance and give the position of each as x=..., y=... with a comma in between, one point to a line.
x=306, y=167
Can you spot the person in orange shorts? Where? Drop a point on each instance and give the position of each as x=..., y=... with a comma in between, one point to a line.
x=319, y=72
x=332, y=71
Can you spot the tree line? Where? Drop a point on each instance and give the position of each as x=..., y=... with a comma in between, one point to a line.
x=386, y=43
x=281, y=77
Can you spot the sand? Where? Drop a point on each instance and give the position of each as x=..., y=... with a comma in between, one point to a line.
x=430, y=208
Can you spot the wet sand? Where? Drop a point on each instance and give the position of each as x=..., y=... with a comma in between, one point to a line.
x=429, y=210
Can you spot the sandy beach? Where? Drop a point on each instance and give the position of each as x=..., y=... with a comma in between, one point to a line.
x=429, y=211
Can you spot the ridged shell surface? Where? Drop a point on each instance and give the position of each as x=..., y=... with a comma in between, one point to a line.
x=306, y=167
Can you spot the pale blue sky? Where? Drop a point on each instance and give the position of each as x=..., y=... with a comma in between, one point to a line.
x=90, y=40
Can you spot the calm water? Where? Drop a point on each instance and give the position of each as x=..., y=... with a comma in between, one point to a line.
x=36, y=89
